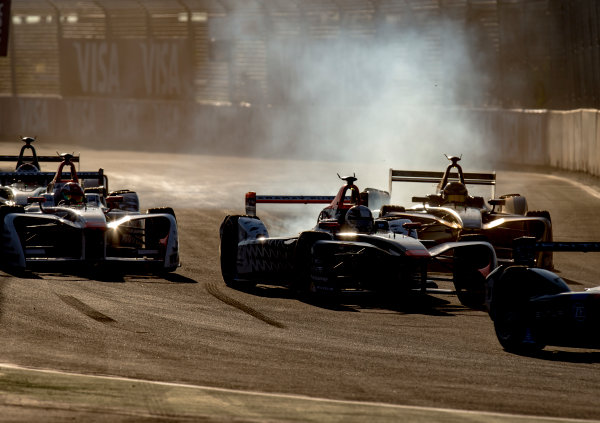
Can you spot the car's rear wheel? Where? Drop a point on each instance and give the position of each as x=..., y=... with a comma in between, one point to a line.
x=304, y=262
x=544, y=259
x=228, y=250
x=469, y=282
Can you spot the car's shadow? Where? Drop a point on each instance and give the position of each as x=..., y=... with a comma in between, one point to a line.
x=115, y=273
x=566, y=356
x=356, y=301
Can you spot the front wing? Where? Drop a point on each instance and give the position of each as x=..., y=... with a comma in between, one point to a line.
x=33, y=238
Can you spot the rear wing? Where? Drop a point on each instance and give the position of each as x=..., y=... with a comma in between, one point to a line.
x=86, y=179
x=471, y=178
x=252, y=199
x=53, y=159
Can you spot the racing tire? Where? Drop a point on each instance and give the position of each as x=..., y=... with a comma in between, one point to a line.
x=469, y=282
x=544, y=259
x=512, y=330
x=303, y=282
x=228, y=253
x=508, y=309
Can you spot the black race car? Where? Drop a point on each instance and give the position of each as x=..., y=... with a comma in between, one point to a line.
x=347, y=250
x=533, y=307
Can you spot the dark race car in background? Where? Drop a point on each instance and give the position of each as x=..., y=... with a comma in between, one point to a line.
x=76, y=219
x=533, y=307
x=347, y=250
x=452, y=214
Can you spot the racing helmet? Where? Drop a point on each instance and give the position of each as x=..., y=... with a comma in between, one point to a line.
x=455, y=192
x=71, y=193
x=360, y=219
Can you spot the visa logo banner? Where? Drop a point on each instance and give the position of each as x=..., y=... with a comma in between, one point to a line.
x=154, y=69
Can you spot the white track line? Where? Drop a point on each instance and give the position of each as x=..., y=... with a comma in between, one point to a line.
x=591, y=191
x=301, y=397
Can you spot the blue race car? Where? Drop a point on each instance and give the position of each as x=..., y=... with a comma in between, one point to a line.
x=533, y=307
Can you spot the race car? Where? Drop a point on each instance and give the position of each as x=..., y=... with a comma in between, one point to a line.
x=533, y=307
x=27, y=180
x=348, y=250
x=452, y=214
x=70, y=223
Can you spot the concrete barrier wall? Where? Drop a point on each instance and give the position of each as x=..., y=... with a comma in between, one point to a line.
x=563, y=139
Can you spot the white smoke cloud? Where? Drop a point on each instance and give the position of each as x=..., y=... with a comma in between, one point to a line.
x=396, y=99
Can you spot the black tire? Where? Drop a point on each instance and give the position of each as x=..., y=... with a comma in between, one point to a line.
x=544, y=259
x=228, y=253
x=512, y=329
x=303, y=261
x=469, y=283
x=511, y=294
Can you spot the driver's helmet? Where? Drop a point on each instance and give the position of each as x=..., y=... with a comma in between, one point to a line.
x=71, y=193
x=360, y=219
x=455, y=192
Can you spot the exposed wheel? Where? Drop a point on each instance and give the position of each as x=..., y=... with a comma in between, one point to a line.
x=544, y=259
x=511, y=310
x=303, y=261
x=512, y=329
x=469, y=282
x=228, y=252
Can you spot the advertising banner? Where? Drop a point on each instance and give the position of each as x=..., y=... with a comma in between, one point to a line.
x=126, y=68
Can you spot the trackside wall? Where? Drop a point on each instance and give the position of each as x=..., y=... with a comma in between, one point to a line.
x=567, y=140
x=563, y=139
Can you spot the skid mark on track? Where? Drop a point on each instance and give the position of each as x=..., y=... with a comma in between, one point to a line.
x=215, y=292
x=85, y=309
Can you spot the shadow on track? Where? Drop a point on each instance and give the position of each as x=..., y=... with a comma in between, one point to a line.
x=115, y=273
x=356, y=301
x=571, y=356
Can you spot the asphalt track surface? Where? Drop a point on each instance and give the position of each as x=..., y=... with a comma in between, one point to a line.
x=186, y=347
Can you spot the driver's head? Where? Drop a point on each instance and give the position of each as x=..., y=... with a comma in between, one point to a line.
x=455, y=192
x=360, y=219
x=72, y=193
